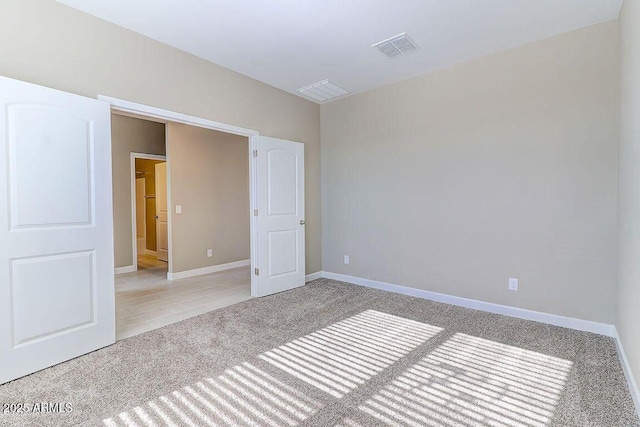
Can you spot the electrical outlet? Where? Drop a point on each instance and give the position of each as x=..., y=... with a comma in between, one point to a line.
x=346, y=259
x=209, y=253
x=513, y=284
x=178, y=209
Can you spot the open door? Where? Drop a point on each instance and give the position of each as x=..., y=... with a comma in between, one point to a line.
x=56, y=228
x=162, y=214
x=280, y=223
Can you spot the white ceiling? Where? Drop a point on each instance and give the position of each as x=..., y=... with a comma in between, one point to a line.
x=293, y=43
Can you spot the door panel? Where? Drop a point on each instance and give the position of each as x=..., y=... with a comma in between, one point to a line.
x=281, y=236
x=60, y=281
x=285, y=244
x=282, y=173
x=62, y=161
x=56, y=235
x=162, y=214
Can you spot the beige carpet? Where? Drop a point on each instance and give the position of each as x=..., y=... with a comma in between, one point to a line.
x=334, y=354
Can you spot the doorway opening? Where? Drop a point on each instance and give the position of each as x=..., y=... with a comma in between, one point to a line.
x=275, y=216
x=190, y=222
x=149, y=211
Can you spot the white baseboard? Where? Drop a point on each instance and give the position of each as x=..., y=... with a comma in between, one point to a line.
x=313, y=276
x=628, y=374
x=150, y=252
x=552, y=319
x=127, y=269
x=207, y=270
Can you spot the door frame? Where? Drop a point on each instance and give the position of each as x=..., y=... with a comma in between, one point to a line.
x=134, y=226
x=124, y=107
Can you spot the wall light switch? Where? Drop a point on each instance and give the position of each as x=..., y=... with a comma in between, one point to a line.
x=209, y=253
x=346, y=259
x=178, y=209
x=513, y=284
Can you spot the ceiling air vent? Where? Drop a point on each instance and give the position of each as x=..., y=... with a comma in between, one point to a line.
x=396, y=45
x=323, y=91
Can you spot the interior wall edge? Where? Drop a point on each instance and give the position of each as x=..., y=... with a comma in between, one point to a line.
x=628, y=238
x=628, y=373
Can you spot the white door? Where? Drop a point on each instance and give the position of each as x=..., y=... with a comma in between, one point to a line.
x=56, y=228
x=162, y=217
x=280, y=222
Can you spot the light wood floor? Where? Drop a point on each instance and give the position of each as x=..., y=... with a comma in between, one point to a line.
x=146, y=300
x=148, y=261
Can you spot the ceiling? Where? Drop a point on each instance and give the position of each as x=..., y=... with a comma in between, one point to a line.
x=294, y=43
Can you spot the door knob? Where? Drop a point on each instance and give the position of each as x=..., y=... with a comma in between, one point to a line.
x=155, y=216
x=302, y=222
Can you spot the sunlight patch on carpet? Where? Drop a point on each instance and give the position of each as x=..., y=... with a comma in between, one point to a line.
x=243, y=395
x=335, y=359
x=346, y=354
x=469, y=381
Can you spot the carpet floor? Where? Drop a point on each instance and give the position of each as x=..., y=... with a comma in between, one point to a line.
x=335, y=354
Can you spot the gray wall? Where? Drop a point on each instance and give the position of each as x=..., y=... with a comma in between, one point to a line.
x=209, y=173
x=501, y=167
x=129, y=135
x=50, y=44
x=629, y=185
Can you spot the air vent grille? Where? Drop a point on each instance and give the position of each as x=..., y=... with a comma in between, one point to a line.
x=396, y=45
x=323, y=91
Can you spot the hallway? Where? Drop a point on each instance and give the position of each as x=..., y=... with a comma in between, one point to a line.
x=146, y=300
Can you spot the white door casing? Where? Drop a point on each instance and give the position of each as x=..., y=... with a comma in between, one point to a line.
x=162, y=214
x=134, y=202
x=56, y=228
x=281, y=230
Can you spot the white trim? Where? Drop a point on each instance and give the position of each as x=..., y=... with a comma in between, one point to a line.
x=208, y=270
x=164, y=116
x=253, y=205
x=551, y=319
x=127, y=269
x=173, y=116
x=150, y=252
x=134, y=229
x=628, y=374
x=313, y=276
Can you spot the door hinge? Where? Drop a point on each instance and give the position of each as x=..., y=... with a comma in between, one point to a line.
x=255, y=153
x=255, y=212
x=257, y=271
